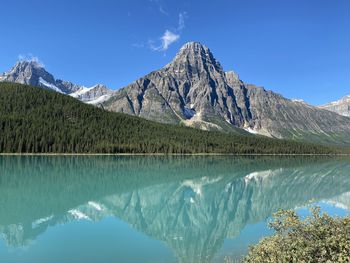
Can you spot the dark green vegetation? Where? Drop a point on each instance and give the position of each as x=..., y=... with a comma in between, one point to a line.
x=319, y=238
x=33, y=120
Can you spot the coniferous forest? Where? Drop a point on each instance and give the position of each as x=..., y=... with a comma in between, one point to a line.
x=33, y=120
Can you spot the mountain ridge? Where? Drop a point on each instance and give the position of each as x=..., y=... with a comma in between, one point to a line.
x=342, y=106
x=31, y=72
x=194, y=90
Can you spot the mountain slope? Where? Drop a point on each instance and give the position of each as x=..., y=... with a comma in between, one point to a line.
x=34, y=74
x=342, y=106
x=194, y=89
x=40, y=121
x=94, y=95
x=271, y=114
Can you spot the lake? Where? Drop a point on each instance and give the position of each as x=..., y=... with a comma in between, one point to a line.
x=155, y=209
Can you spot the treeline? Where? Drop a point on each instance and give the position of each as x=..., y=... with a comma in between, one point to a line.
x=34, y=120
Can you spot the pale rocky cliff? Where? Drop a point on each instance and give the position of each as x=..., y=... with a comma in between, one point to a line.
x=342, y=106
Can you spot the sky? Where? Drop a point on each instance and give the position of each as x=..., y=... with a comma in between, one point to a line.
x=298, y=48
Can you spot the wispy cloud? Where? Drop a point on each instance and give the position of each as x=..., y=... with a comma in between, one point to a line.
x=182, y=17
x=162, y=10
x=31, y=58
x=169, y=37
x=160, y=6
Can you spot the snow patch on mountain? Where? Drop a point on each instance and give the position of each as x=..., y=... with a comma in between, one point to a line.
x=49, y=85
x=101, y=99
x=80, y=92
x=250, y=130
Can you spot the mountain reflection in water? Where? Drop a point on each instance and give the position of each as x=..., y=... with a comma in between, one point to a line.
x=191, y=204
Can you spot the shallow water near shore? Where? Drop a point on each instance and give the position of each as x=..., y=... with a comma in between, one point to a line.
x=156, y=208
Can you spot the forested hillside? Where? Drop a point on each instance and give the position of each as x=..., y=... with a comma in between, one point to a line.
x=34, y=120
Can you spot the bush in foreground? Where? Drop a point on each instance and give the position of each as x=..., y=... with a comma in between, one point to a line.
x=318, y=238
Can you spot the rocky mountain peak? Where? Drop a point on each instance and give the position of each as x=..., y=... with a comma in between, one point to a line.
x=194, y=90
x=194, y=56
x=194, y=47
x=26, y=64
x=29, y=72
x=32, y=72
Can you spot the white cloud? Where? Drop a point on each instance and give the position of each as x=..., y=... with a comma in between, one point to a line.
x=170, y=36
x=30, y=58
x=167, y=39
x=182, y=17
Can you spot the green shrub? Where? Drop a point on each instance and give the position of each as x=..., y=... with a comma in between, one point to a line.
x=318, y=238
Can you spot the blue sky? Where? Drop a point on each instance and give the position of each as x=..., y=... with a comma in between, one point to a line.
x=299, y=48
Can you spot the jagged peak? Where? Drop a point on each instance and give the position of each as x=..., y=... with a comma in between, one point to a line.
x=29, y=63
x=194, y=54
x=195, y=48
x=193, y=45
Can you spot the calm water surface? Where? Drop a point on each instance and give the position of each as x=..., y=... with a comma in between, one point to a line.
x=155, y=209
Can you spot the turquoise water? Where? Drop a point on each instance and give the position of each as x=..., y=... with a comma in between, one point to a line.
x=155, y=209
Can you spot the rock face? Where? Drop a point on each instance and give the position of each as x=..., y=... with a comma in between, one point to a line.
x=34, y=74
x=342, y=106
x=191, y=89
x=194, y=90
x=271, y=114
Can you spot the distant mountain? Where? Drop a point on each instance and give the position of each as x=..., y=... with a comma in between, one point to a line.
x=34, y=74
x=34, y=120
x=195, y=90
x=341, y=106
x=94, y=95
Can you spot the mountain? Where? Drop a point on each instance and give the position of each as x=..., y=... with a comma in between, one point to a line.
x=94, y=95
x=195, y=90
x=341, y=106
x=32, y=73
x=35, y=120
x=192, y=89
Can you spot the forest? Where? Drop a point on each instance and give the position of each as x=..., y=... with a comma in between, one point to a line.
x=34, y=120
